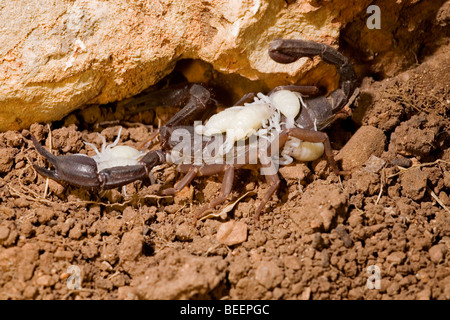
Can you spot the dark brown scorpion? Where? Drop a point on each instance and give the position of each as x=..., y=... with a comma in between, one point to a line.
x=268, y=131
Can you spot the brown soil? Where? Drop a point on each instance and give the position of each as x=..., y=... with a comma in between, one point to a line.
x=318, y=237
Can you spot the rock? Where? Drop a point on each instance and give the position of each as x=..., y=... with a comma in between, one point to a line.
x=7, y=159
x=131, y=245
x=45, y=215
x=296, y=172
x=55, y=187
x=425, y=294
x=58, y=56
x=268, y=274
x=109, y=253
x=374, y=164
x=77, y=231
x=345, y=237
x=306, y=294
x=355, y=219
x=320, y=207
x=182, y=277
x=8, y=233
x=232, y=232
x=366, y=141
x=13, y=139
x=437, y=253
x=318, y=242
x=418, y=136
x=126, y=293
x=414, y=183
x=185, y=232
x=363, y=182
x=67, y=58
x=396, y=258
x=447, y=179
x=292, y=262
x=45, y=281
x=4, y=232
x=393, y=288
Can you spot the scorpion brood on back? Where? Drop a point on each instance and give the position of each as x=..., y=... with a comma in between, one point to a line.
x=265, y=130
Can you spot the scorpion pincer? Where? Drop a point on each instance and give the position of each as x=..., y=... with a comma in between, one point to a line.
x=265, y=130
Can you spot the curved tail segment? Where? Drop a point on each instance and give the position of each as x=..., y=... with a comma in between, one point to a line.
x=288, y=51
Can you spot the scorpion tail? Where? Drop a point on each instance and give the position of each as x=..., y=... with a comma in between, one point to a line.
x=288, y=51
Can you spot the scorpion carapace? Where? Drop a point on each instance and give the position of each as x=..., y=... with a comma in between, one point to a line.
x=264, y=130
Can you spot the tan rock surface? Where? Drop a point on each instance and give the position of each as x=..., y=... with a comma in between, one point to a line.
x=56, y=56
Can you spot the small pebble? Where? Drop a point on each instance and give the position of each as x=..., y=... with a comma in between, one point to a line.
x=232, y=232
x=343, y=234
x=447, y=179
x=292, y=262
x=7, y=159
x=131, y=245
x=414, y=183
x=185, y=232
x=295, y=172
x=396, y=258
x=268, y=274
x=437, y=253
x=318, y=242
x=374, y=164
x=306, y=294
x=425, y=294
x=4, y=232
x=402, y=162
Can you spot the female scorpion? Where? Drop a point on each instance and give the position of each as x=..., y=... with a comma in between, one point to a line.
x=288, y=119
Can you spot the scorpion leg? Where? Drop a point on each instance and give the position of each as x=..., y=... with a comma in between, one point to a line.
x=246, y=98
x=313, y=136
x=304, y=135
x=207, y=170
x=272, y=178
x=227, y=185
x=274, y=181
x=185, y=181
x=199, y=100
x=200, y=103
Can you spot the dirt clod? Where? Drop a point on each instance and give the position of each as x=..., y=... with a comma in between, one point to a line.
x=366, y=141
x=414, y=183
x=268, y=274
x=232, y=232
x=131, y=245
x=437, y=252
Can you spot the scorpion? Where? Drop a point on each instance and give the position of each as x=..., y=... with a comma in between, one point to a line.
x=269, y=131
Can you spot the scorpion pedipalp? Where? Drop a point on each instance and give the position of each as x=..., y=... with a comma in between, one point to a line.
x=265, y=130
